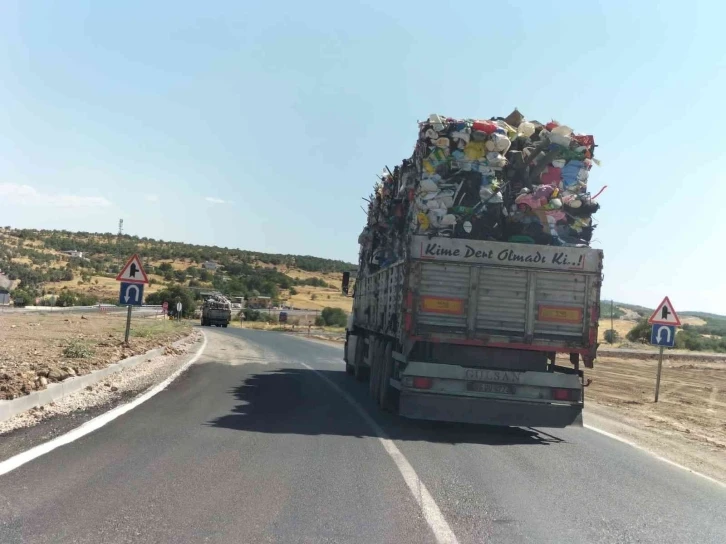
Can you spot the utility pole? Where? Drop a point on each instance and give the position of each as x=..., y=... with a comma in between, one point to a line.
x=612, y=322
x=118, y=242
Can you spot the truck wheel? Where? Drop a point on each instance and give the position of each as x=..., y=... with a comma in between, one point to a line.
x=375, y=364
x=387, y=394
x=224, y=326
x=349, y=365
x=359, y=369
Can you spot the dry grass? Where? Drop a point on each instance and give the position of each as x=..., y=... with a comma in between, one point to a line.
x=106, y=287
x=330, y=298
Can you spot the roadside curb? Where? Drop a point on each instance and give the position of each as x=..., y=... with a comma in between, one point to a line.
x=57, y=391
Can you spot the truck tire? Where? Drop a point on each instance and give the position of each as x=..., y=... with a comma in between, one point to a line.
x=224, y=326
x=360, y=371
x=376, y=355
x=349, y=365
x=387, y=395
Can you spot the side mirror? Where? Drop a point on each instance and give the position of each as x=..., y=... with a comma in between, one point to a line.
x=346, y=283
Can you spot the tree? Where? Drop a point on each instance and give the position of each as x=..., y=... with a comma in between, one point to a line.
x=293, y=291
x=165, y=267
x=23, y=296
x=172, y=295
x=204, y=275
x=65, y=299
x=180, y=275
x=313, y=297
x=334, y=317
x=640, y=333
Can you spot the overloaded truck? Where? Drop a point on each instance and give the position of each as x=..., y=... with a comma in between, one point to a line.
x=482, y=308
x=217, y=311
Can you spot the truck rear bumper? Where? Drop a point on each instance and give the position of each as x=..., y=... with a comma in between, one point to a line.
x=487, y=411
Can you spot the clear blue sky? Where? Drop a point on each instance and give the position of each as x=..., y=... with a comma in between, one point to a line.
x=261, y=125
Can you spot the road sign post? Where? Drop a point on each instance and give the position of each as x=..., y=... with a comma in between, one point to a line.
x=128, y=326
x=663, y=334
x=657, y=377
x=131, y=293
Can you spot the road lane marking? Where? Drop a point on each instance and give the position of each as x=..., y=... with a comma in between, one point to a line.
x=431, y=512
x=659, y=457
x=95, y=423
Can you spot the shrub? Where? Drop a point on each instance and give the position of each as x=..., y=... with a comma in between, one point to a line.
x=611, y=336
x=268, y=318
x=77, y=350
x=319, y=321
x=334, y=317
x=640, y=333
x=251, y=315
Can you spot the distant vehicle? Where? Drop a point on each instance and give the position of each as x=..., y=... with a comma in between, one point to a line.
x=283, y=317
x=216, y=311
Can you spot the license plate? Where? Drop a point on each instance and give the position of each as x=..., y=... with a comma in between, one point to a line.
x=482, y=387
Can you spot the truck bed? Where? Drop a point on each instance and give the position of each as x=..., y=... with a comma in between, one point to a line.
x=495, y=294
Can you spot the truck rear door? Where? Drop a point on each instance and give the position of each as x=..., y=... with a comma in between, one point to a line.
x=506, y=295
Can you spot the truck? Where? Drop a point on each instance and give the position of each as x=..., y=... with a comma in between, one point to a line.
x=457, y=329
x=217, y=311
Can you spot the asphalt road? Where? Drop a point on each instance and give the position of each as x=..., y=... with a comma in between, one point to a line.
x=251, y=446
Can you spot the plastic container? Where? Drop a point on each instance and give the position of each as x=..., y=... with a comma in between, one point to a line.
x=488, y=127
x=437, y=122
x=526, y=129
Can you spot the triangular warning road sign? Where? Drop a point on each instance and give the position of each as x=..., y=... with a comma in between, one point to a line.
x=665, y=314
x=133, y=272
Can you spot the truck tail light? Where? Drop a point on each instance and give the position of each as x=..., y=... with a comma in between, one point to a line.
x=566, y=394
x=422, y=383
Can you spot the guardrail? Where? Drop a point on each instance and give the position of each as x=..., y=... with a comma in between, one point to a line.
x=68, y=309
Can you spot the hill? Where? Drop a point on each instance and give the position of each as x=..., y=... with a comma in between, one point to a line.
x=81, y=267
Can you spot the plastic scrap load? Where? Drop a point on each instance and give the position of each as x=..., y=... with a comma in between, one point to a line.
x=217, y=302
x=503, y=179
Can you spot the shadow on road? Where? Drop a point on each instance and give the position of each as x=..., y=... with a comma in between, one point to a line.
x=296, y=401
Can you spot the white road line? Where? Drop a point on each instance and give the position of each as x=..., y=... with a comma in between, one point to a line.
x=95, y=423
x=440, y=527
x=659, y=457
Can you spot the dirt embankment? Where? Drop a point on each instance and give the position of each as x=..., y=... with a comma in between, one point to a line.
x=686, y=425
x=40, y=349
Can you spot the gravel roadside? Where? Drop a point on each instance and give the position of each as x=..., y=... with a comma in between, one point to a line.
x=43, y=423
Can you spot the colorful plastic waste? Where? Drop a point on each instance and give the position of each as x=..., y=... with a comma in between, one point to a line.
x=504, y=179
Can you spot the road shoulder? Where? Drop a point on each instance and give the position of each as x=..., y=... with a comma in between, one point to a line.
x=44, y=423
x=675, y=447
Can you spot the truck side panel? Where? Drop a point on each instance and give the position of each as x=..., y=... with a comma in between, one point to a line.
x=378, y=300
